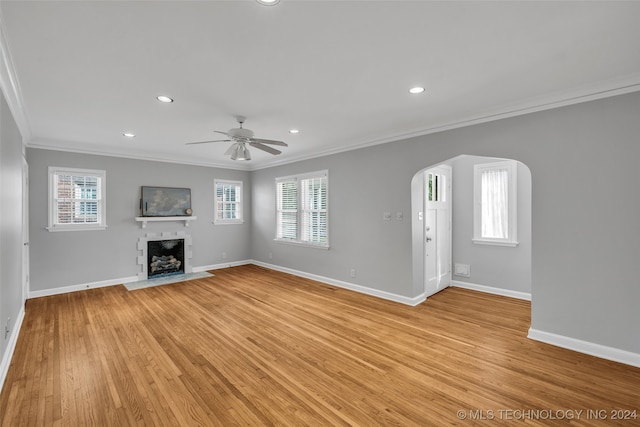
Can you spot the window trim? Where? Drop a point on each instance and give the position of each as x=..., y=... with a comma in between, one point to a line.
x=298, y=179
x=512, y=187
x=217, y=221
x=102, y=200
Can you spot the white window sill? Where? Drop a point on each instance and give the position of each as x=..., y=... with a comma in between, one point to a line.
x=305, y=244
x=56, y=228
x=232, y=222
x=509, y=243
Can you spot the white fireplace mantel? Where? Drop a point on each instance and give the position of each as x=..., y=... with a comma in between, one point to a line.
x=144, y=219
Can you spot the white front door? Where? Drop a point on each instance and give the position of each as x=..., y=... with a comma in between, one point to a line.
x=437, y=229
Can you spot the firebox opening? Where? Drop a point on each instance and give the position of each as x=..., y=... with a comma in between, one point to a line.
x=165, y=257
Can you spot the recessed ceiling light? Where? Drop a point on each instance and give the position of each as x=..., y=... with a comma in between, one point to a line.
x=293, y=131
x=268, y=2
x=416, y=90
x=165, y=99
x=129, y=135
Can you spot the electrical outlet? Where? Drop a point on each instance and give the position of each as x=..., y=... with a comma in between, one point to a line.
x=270, y=255
x=224, y=255
x=6, y=328
x=353, y=272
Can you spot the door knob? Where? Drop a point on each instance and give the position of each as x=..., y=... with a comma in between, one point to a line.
x=428, y=239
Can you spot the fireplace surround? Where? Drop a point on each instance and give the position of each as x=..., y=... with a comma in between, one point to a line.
x=170, y=254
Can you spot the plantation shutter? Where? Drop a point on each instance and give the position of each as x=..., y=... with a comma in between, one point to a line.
x=77, y=199
x=228, y=201
x=287, y=209
x=313, y=215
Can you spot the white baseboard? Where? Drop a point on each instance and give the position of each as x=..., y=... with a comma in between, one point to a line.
x=222, y=265
x=346, y=285
x=492, y=290
x=11, y=346
x=81, y=287
x=597, y=350
x=122, y=280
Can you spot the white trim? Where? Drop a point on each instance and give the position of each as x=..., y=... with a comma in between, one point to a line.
x=511, y=167
x=492, y=290
x=586, y=347
x=586, y=93
x=606, y=89
x=301, y=243
x=11, y=346
x=240, y=202
x=67, y=147
x=120, y=281
x=81, y=287
x=346, y=285
x=495, y=242
x=101, y=175
x=80, y=227
x=10, y=86
x=144, y=219
x=223, y=265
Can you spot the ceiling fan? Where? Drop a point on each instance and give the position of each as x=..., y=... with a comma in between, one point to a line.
x=242, y=137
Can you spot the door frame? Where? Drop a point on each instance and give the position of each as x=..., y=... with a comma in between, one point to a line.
x=25, y=230
x=443, y=241
x=418, y=205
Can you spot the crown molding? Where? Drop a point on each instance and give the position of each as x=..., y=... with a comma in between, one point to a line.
x=582, y=94
x=54, y=145
x=586, y=93
x=11, y=87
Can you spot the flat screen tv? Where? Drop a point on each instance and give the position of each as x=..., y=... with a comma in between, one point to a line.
x=165, y=201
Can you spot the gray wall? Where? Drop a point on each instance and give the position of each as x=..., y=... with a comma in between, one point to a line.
x=585, y=233
x=363, y=184
x=496, y=266
x=71, y=258
x=10, y=222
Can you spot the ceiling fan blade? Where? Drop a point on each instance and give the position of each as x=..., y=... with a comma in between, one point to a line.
x=219, y=131
x=269, y=141
x=206, y=142
x=230, y=149
x=264, y=148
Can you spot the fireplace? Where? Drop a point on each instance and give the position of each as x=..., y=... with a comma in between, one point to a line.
x=164, y=254
x=165, y=257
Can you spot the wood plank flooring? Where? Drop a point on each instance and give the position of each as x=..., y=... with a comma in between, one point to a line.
x=251, y=346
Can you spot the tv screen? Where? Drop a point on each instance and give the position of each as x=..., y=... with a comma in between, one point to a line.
x=165, y=201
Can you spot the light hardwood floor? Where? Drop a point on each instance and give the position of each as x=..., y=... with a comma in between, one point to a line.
x=252, y=346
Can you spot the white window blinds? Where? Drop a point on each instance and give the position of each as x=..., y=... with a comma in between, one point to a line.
x=302, y=211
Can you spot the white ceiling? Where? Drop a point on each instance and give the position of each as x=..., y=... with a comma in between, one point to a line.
x=337, y=70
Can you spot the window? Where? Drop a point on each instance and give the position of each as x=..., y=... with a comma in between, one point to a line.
x=301, y=205
x=495, y=201
x=228, y=206
x=76, y=199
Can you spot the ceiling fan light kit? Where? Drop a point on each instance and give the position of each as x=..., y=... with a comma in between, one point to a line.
x=240, y=138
